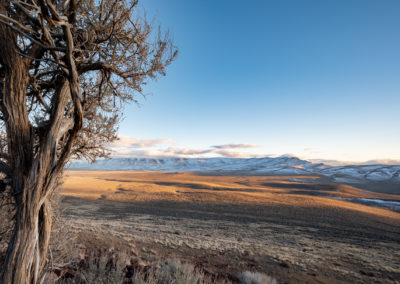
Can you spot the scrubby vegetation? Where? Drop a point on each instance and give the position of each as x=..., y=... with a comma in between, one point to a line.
x=107, y=267
x=249, y=277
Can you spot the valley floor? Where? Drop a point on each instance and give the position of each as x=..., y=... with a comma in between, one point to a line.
x=286, y=227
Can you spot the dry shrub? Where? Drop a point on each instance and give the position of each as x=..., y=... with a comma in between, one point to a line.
x=64, y=248
x=63, y=241
x=181, y=273
x=248, y=277
x=106, y=267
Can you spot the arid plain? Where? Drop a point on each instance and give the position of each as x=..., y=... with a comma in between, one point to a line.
x=294, y=228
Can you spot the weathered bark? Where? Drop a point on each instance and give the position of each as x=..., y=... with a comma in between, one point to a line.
x=59, y=82
x=31, y=178
x=27, y=251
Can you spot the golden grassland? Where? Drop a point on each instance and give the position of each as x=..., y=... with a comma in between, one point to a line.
x=289, y=227
x=128, y=186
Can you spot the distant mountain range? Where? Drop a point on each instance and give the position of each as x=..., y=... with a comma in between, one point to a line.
x=347, y=163
x=281, y=166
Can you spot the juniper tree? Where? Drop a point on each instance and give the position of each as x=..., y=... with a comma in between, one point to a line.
x=66, y=67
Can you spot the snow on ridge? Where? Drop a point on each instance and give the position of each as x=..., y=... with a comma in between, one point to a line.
x=195, y=164
x=267, y=165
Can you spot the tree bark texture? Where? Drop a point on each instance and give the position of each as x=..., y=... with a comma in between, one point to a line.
x=63, y=67
x=33, y=178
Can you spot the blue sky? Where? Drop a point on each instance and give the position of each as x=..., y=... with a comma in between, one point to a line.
x=312, y=78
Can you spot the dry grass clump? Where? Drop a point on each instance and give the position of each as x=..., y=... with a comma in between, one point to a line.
x=248, y=277
x=107, y=267
x=179, y=273
x=95, y=267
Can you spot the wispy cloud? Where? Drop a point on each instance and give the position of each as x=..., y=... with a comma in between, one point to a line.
x=160, y=148
x=126, y=141
x=160, y=153
x=236, y=154
x=236, y=146
x=188, y=151
x=129, y=147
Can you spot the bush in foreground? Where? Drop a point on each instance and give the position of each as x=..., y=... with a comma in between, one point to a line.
x=111, y=268
x=249, y=277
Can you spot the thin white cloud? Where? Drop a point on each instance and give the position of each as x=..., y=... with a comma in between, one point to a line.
x=127, y=146
x=181, y=153
x=236, y=146
x=235, y=154
x=129, y=153
x=160, y=153
x=188, y=151
x=129, y=142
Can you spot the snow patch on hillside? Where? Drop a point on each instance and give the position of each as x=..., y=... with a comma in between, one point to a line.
x=284, y=165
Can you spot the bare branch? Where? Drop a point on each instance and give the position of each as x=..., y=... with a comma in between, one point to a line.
x=5, y=22
x=67, y=68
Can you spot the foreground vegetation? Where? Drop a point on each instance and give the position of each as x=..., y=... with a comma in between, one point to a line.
x=110, y=267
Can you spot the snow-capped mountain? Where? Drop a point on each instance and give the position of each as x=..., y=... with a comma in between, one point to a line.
x=280, y=165
x=359, y=173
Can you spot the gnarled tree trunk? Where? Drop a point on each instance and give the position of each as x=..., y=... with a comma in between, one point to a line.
x=32, y=178
x=33, y=181
x=63, y=66
x=27, y=251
